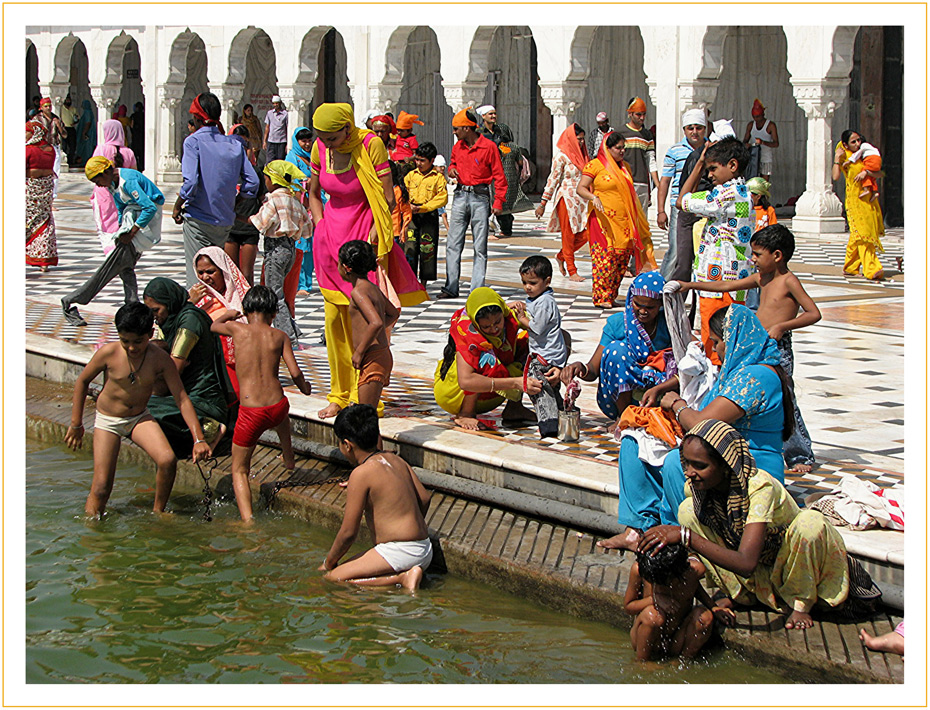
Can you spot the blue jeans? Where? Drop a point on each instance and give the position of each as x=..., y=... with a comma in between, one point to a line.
x=280, y=253
x=798, y=449
x=668, y=261
x=467, y=208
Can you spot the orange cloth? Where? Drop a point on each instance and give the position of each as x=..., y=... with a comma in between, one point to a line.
x=402, y=214
x=709, y=306
x=406, y=120
x=571, y=242
x=764, y=218
x=637, y=105
x=461, y=119
x=568, y=144
x=654, y=420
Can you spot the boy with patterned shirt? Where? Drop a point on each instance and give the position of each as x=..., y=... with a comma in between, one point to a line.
x=724, y=253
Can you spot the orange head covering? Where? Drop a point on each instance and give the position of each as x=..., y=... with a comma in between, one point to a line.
x=637, y=105
x=568, y=144
x=757, y=108
x=462, y=119
x=406, y=120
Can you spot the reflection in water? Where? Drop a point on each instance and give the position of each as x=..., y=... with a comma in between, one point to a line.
x=141, y=597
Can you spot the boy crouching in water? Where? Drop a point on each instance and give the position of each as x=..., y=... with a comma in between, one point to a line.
x=259, y=349
x=131, y=367
x=388, y=492
x=660, y=593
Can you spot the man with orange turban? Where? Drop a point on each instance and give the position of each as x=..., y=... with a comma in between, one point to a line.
x=474, y=164
x=761, y=136
x=406, y=143
x=640, y=151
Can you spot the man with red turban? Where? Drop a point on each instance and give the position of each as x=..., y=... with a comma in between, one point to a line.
x=640, y=151
x=385, y=129
x=762, y=136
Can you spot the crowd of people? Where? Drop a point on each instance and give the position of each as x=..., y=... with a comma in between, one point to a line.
x=706, y=425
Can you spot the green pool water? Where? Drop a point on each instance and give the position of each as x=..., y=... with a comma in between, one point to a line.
x=143, y=598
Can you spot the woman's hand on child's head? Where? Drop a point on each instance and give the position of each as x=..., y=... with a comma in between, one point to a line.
x=201, y=451
x=74, y=437
x=654, y=539
x=533, y=386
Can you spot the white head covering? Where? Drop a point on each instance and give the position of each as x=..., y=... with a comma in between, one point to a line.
x=601, y=116
x=487, y=108
x=440, y=162
x=275, y=99
x=693, y=117
x=722, y=129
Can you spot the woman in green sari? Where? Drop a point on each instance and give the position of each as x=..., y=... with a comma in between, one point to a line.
x=199, y=358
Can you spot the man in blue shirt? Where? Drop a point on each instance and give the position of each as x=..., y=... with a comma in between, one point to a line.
x=213, y=166
x=139, y=202
x=694, y=124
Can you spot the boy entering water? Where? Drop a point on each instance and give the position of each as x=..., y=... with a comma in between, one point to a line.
x=131, y=367
x=259, y=350
x=388, y=492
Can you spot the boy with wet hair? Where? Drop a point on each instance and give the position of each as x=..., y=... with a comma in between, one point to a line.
x=259, y=349
x=660, y=593
x=781, y=297
x=724, y=253
x=383, y=487
x=131, y=367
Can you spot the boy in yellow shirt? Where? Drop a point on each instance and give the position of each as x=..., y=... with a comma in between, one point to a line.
x=427, y=188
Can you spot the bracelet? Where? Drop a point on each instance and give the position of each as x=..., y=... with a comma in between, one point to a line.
x=77, y=426
x=585, y=366
x=678, y=412
x=199, y=441
x=492, y=385
x=685, y=534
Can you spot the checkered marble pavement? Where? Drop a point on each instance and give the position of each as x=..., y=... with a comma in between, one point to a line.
x=857, y=430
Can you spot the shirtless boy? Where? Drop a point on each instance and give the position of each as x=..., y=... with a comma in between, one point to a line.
x=781, y=296
x=661, y=593
x=372, y=317
x=259, y=349
x=131, y=368
x=388, y=492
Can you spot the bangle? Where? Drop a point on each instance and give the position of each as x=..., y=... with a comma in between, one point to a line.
x=585, y=366
x=685, y=534
x=199, y=441
x=77, y=426
x=492, y=385
x=677, y=412
x=661, y=212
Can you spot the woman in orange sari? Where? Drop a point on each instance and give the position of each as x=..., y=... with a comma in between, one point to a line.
x=617, y=225
x=866, y=226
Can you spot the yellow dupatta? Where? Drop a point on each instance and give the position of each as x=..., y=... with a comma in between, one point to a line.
x=866, y=224
x=330, y=118
x=627, y=194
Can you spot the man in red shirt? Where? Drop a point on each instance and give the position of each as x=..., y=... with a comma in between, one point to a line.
x=474, y=163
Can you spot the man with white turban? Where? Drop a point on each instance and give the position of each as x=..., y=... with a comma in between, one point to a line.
x=694, y=125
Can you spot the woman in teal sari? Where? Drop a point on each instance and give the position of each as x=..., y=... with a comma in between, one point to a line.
x=86, y=135
x=199, y=358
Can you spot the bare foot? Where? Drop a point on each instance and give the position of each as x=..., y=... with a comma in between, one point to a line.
x=470, y=423
x=880, y=276
x=288, y=465
x=900, y=262
x=892, y=642
x=628, y=540
x=411, y=579
x=799, y=620
x=516, y=413
x=576, y=277
x=561, y=262
x=303, y=292
x=43, y=269
x=801, y=468
x=331, y=410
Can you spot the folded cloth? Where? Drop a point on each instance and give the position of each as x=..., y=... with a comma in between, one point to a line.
x=655, y=421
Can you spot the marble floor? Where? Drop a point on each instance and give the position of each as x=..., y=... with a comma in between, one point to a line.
x=849, y=370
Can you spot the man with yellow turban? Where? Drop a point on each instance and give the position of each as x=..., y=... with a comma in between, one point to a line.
x=640, y=152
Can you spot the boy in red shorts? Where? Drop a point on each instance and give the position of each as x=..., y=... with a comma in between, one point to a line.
x=259, y=348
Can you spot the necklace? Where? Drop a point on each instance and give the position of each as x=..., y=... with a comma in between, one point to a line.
x=132, y=373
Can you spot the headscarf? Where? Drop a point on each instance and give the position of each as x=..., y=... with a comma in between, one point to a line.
x=113, y=133
x=172, y=296
x=723, y=128
x=758, y=186
x=114, y=139
x=38, y=133
x=601, y=116
x=96, y=166
x=236, y=284
x=487, y=108
x=568, y=144
x=45, y=101
x=121, y=111
x=639, y=225
x=757, y=108
x=386, y=120
x=747, y=343
x=622, y=369
x=198, y=111
x=489, y=356
x=462, y=120
x=285, y=174
x=637, y=105
x=406, y=120
x=725, y=512
x=693, y=117
x=330, y=118
x=297, y=155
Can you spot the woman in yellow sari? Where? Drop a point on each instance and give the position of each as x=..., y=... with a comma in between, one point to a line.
x=351, y=164
x=866, y=226
x=617, y=225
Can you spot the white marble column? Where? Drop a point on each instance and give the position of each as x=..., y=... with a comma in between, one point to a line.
x=230, y=96
x=105, y=96
x=461, y=95
x=168, y=169
x=296, y=97
x=818, y=210
x=561, y=98
x=698, y=93
x=384, y=97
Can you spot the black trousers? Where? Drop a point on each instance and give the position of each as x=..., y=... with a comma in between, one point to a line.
x=421, y=244
x=120, y=262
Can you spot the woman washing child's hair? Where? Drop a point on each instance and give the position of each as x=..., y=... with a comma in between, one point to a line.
x=756, y=543
x=482, y=364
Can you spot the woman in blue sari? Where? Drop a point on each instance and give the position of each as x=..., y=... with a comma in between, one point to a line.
x=750, y=394
x=299, y=155
x=627, y=342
